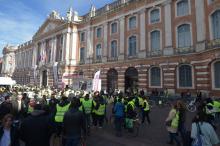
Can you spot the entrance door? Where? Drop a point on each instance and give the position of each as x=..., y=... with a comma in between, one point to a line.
x=131, y=79
x=44, y=78
x=112, y=80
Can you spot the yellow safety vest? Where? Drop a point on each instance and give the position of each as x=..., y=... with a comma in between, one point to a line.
x=87, y=105
x=60, y=112
x=81, y=101
x=216, y=105
x=175, y=120
x=93, y=111
x=132, y=104
x=141, y=101
x=30, y=109
x=101, y=110
x=147, y=108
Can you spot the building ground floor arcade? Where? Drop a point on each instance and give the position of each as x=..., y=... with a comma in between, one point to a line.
x=196, y=71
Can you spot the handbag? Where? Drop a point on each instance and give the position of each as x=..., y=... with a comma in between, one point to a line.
x=198, y=140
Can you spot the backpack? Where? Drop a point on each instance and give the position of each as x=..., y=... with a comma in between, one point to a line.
x=198, y=140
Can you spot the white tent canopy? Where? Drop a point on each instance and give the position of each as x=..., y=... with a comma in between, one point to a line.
x=7, y=81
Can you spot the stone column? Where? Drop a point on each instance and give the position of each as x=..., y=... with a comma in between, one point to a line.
x=74, y=42
x=142, y=39
x=200, y=28
x=67, y=47
x=54, y=48
x=105, y=46
x=122, y=38
x=89, y=52
x=168, y=50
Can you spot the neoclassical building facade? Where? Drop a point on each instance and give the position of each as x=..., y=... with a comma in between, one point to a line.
x=148, y=44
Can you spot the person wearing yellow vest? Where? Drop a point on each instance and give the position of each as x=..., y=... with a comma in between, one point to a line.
x=61, y=108
x=145, y=111
x=172, y=123
x=100, y=111
x=87, y=107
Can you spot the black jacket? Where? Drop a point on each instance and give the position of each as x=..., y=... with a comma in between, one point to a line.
x=73, y=123
x=13, y=134
x=5, y=108
x=36, y=129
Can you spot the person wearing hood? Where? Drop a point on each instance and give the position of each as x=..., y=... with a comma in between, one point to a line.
x=36, y=129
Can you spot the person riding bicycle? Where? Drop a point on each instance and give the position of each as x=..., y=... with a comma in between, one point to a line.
x=130, y=114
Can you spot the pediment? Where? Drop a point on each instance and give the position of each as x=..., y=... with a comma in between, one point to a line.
x=48, y=26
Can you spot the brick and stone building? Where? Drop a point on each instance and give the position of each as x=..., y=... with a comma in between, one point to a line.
x=148, y=44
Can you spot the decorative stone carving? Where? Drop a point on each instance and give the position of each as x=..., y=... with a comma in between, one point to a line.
x=54, y=15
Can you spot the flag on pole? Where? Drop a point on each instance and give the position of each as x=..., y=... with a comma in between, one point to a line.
x=96, y=82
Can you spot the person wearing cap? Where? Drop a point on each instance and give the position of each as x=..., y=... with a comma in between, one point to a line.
x=73, y=124
x=61, y=108
x=36, y=129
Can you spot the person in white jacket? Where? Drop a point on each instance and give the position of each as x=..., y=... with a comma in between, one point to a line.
x=208, y=134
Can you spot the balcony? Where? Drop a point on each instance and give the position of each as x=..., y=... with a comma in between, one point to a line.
x=212, y=44
x=187, y=50
x=98, y=59
x=154, y=53
x=112, y=59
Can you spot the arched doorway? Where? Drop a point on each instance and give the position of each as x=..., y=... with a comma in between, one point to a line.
x=112, y=80
x=44, y=78
x=131, y=79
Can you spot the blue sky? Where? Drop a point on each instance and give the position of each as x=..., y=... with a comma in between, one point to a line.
x=20, y=19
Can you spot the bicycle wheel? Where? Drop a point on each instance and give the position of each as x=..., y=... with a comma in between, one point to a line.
x=133, y=132
x=191, y=108
x=152, y=103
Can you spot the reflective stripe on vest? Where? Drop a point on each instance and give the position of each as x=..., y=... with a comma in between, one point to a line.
x=175, y=121
x=101, y=110
x=87, y=105
x=94, y=103
x=147, y=108
x=60, y=112
x=132, y=104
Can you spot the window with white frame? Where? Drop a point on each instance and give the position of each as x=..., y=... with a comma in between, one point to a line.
x=184, y=36
x=82, y=37
x=185, y=76
x=155, y=40
x=182, y=8
x=82, y=55
x=155, y=76
x=132, y=46
x=98, y=52
x=155, y=16
x=99, y=32
x=114, y=49
x=114, y=27
x=217, y=74
x=216, y=24
x=132, y=22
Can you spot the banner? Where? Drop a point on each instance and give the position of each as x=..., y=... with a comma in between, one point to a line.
x=96, y=82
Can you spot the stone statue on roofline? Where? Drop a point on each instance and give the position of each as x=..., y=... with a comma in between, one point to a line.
x=54, y=15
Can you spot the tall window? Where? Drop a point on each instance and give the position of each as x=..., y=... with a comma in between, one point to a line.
x=184, y=36
x=114, y=27
x=185, y=76
x=155, y=76
x=98, y=52
x=132, y=22
x=114, y=49
x=155, y=40
x=99, y=32
x=216, y=24
x=217, y=74
x=132, y=46
x=155, y=16
x=82, y=55
x=183, y=8
x=82, y=37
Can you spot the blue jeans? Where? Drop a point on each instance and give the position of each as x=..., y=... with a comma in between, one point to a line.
x=72, y=141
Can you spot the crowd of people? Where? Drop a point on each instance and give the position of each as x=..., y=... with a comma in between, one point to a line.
x=33, y=115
